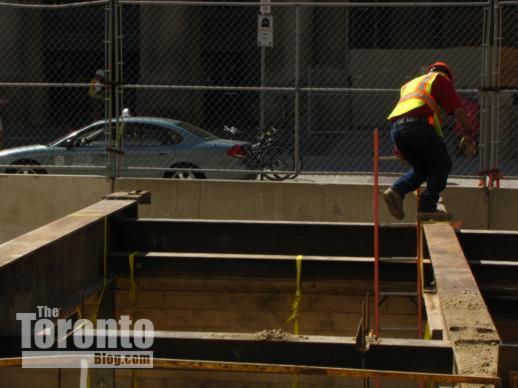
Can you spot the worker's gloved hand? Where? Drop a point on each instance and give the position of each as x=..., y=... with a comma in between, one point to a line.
x=468, y=147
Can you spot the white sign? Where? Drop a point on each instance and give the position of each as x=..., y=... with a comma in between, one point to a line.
x=265, y=7
x=49, y=341
x=265, y=31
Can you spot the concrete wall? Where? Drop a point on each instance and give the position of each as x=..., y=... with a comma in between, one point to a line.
x=29, y=202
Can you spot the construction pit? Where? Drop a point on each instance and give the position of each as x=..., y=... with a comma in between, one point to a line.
x=267, y=304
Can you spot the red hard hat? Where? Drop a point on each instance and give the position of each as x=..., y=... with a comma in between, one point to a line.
x=441, y=66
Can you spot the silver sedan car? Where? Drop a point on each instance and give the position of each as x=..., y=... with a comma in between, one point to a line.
x=150, y=146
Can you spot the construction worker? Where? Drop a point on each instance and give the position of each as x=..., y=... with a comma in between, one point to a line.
x=415, y=125
x=96, y=94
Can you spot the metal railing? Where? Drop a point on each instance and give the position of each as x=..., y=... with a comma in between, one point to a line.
x=325, y=74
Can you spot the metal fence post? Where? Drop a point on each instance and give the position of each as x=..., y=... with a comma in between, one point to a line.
x=485, y=95
x=297, y=88
x=113, y=89
x=108, y=60
x=496, y=85
x=263, y=83
x=117, y=33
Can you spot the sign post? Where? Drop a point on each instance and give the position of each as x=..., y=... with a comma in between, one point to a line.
x=265, y=8
x=264, y=39
x=265, y=30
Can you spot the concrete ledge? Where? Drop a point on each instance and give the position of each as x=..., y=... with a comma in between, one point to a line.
x=30, y=201
x=328, y=202
x=503, y=209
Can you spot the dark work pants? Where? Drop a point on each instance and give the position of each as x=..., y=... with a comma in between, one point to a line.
x=426, y=152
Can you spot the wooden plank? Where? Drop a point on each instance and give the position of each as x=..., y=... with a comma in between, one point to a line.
x=267, y=301
x=14, y=377
x=206, y=381
x=251, y=321
x=514, y=378
x=434, y=316
x=165, y=374
x=198, y=283
x=201, y=379
x=468, y=323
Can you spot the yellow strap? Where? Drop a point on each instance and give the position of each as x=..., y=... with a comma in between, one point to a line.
x=133, y=303
x=105, y=271
x=295, y=382
x=421, y=255
x=427, y=335
x=105, y=283
x=295, y=309
x=133, y=284
x=134, y=379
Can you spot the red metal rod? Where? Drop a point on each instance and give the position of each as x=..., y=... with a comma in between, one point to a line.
x=419, y=273
x=376, y=233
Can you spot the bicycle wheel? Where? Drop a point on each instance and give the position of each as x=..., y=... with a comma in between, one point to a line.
x=278, y=158
x=297, y=170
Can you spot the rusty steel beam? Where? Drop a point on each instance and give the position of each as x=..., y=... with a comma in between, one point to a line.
x=274, y=347
x=141, y=196
x=509, y=364
x=468, y=323
x=401, y=270
x=50, y=265
x=260, y=237
x=336, y=372
x=489, y=244
x=392, y=269
x=241, y=367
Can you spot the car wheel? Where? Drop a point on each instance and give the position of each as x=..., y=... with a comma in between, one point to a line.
x=179, y=174
x=25, y=170
x=183, y=175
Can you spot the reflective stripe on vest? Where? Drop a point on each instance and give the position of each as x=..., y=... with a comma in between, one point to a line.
x=415, y=94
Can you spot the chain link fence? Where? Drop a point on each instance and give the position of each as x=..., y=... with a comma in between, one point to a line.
x=49, y=55
x=505, y=142
x=324, y=75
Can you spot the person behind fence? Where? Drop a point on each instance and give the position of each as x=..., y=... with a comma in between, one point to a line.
x=415, y=127
x=96, y=94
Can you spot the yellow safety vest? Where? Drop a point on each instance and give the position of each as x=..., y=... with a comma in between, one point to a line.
x=417, y=93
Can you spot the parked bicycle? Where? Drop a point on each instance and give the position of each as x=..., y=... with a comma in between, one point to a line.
x=268, y=154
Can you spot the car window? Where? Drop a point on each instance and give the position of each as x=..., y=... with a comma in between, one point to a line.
x=93, y=137
x=205, y=135
x=149, y=135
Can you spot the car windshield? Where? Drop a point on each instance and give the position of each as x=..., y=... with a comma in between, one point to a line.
x=56, y=142
x=205, y=135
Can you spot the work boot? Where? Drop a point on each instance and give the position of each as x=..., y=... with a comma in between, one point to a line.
x=438, y=215
x=394, y=203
